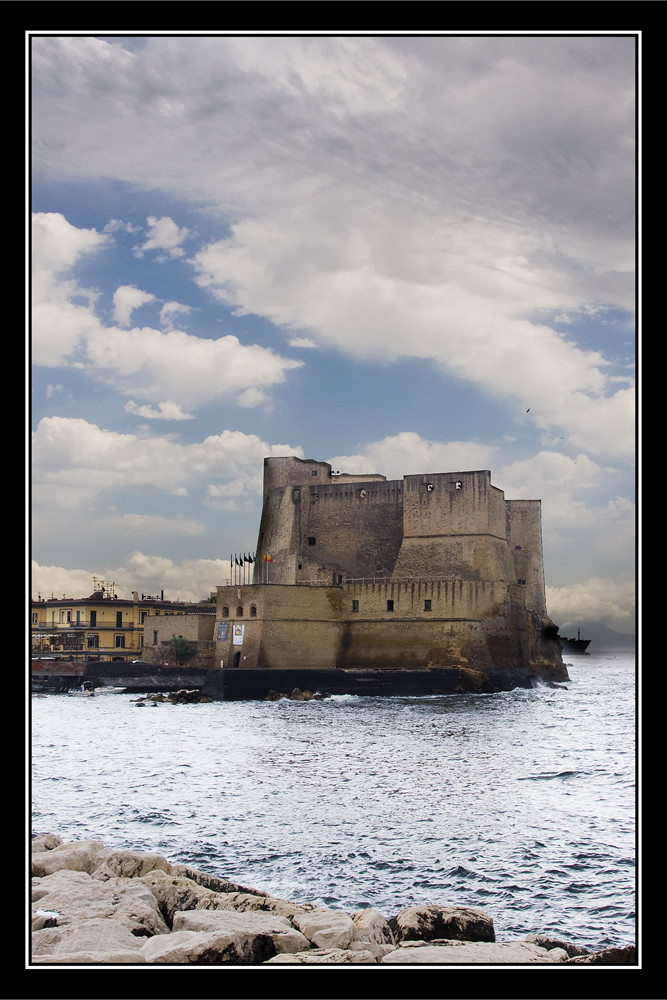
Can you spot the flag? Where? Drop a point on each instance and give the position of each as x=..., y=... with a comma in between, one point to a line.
x=267, y=558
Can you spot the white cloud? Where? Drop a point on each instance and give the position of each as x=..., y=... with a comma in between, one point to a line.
x=154, y=364
x=409, y=454
x=597, y=599
x=423, y=197
x=170, y=310
x=152, y=524
x=126, y=299
x=73, y=454
x=301, y=342
x=165, y=410
x=164, y=234
x=188, y=580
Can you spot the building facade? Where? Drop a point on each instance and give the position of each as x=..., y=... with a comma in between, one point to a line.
x=357, y=573
x=99, y=627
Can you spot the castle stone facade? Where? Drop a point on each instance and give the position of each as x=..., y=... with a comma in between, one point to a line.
x=432, y=582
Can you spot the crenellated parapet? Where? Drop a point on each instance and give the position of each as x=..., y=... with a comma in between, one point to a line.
x=355, y=572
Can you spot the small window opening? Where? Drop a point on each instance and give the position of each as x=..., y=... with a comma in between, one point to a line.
x=311, y=540
x=355, y=605
x=427, y=605
x=390, y=605
x=253, y=611
x=239, y=611
x=225, y=612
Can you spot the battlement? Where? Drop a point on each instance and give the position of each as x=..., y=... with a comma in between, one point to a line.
x=356, y=572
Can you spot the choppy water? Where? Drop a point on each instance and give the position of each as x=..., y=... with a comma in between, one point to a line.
x=521, y=803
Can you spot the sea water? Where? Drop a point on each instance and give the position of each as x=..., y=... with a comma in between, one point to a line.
x=520, y=803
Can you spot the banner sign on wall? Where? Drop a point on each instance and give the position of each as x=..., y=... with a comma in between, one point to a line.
x=223, y=631
x=238, y=635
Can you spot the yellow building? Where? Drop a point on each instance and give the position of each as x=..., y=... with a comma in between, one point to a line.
x=100, y=627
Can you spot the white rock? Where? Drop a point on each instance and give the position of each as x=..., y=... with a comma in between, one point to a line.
x=130, y=864
x=207, y=948
x=326, y=928
x=91, y=958
x=325, y=956
x=370, y=925
x=80, y=856
x=284, y=936
x=125, y=901
x=45, y=842
x=94, y=936
x=177, y=893
x=469, y=953
x=65, y=878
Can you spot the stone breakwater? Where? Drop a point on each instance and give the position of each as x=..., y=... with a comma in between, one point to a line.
x=92, y=905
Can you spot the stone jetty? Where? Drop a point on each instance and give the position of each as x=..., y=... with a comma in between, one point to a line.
x=93, y=905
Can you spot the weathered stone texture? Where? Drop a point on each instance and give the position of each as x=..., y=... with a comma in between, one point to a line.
x=153, y=916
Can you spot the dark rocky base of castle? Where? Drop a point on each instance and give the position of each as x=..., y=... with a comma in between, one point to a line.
x=254, y=685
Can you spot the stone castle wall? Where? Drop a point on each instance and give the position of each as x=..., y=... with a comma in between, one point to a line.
x=429, y=571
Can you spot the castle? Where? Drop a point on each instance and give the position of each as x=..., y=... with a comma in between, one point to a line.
x=427, y=584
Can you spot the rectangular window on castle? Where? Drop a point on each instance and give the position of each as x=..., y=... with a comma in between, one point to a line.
x=355, y=605
x=390, y=605
x=427, y=605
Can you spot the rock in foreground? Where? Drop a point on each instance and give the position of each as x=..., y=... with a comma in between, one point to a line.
x=94, y=905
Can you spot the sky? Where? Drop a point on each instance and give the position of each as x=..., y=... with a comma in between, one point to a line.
x=399, y=254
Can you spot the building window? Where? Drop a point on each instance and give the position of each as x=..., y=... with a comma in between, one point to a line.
x=239, y=611
x=355, y=605
x=225, y=612
x=93, y=619
x=296, y=494
x=155, y=637
x=311, y=540
x=119, y=619
x=253, y=611
x=313, y=472
x=390, y=605
x=522, y=582
x=427, y=605
x=119, y=641
x=92, y=642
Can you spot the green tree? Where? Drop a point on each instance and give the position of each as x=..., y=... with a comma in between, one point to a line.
x=180, y=650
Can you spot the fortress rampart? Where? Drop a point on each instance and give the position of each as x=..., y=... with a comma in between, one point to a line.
x=429, y=573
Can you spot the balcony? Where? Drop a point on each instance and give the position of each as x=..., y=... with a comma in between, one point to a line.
x=58, y=627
